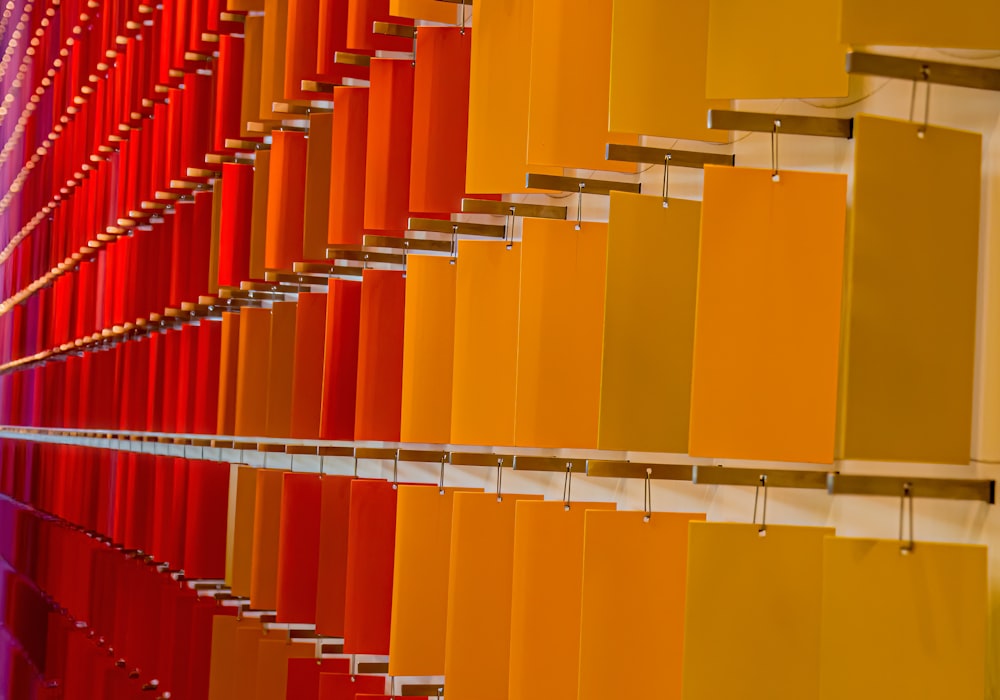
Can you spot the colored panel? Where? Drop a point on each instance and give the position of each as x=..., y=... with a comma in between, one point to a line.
x=360, y=37
x=428, y=350
x=285, y=200
x=560, y=334
x=961, y=24
x=632, y=609
x=380, y=356
x=569, y=77
x=477, y=643
x=546, y=599
x=301, y=45
x=205, y=531
x=222, y=672
x=251, y=373
x=652, y=275
x=272, y=73
x=443, y=12
x=390, y=129
x=761, y=49
x=638, y=104
x=298, y=548
x=909, y=346
x=903, y=626
x=273, y=653
x=253, y=56
x=767, y=326
x=235, y=225
x=239, y=530
x=782, y=573
x=279, y=372
x=303, y=676
x=258, y=213
x=342, y=686
x=332, y=577
x=248, y=635
x=317, y=182
x=420, y=581
x=440, y=119
x=307, y=369
x=348, y=166
x=340, y=361
x=266, y=527
x=486, y=321
x=228, y=373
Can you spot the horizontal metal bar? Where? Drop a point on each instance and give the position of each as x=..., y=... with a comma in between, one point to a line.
x=949, y=489
x=499, y=208
x=270, y=447
x=860, y=62
x=391, y=29
x=374, y=453
x=480, y=459
x=351, y=59
x=657, y=156
x=301, y=449
x=335, y=253
x=788, y=123
x=317, y=86
x=396, y=243
x=639, y=470
x=562, y=183
x=776, y=478
x=464, y=228
x=331, y=649
x=549, y=464
x=373, y=667
x=426, y=690
x=335, y=451
x=426, y=456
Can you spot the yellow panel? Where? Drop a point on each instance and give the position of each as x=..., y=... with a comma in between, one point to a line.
x=428, y=349
x=560, y=334
x=745, y=592
x=632, y=608
x=767, y=328
x=420, y=581
x=273, y=653
x=775, y=48
x=222, y=667
x=545, y=599
x=430, y=10
x=903, y=626
x=486, y=298
x=642, y=64
x=649, y=323
x=477, y=644
x=957, y=24
x=909, y=346
x=498, y=118
x=570, y=72
x=239, y=530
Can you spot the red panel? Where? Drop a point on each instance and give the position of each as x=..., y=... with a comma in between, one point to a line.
x=207, y=507
x=234, y=224
x=298, y=548
x=303, y=676
x=341, y=686
x=390, y=129
x=360, y=15
x=332, y=573
x=340, y=362
x=348, y=166
x=380, y=356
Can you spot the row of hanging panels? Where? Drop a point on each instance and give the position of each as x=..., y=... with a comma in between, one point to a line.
x=514, y=596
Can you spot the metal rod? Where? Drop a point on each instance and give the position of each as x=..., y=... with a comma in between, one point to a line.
x=790, y=123
x=655, y=156
x=561, y=183
x=976, y=77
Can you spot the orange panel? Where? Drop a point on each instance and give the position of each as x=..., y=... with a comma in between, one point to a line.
x=420, y=580
x=251, y=373
x=279, y=372
x=266, y=528
x=767, y=324
x=360, y=15
x=340, y=360
x=348, y=166
x=333, y=38
x=431, y=10
x=249, y=632
x=317, y=197
x=245, y=5
x=477, y=643
x=545, y=600
x=229, y=358
x=253, y=56
x=390, y=128
x=286, y=200
x=380, y=356
x=239, y=542
x=258, y=215
x=273, y=653
x=307, y=370
x=272, y=73
x=301, y=45
x=632, y=610
x=486, y=319
x=561, y=334
x=331, y=582
x=428, y=349
x=222, y=669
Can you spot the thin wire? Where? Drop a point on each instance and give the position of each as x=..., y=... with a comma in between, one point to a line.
x=499, y=479
x=647, y=496
x=567, y=485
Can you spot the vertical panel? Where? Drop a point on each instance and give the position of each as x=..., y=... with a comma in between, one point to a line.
x=428, y=349
x=546, y=599
x=249, y=632
x=910, y=626
x=228, y=373
x=235, y=225
x=303, y=675
x=301, y=45
x=657, y=87
x=767, y=328
x=342, y=686
x=222, y=673
x=432, y=10
x=782, y=573
x=307, y=369
x=266, y=528
x=316, y=219
x=632, y=609
x=909, y=347
x=477, y=642
x=340, y=360
x=285, y=200
x=486, y=310
x=965, y=24
x=360, y=16
x=751, y=44
x=258, y=213
x=652, y=275
x=569, y=78
x=298, y=548
x=273, y=654
x=560, y=335
x=331, y=582
x=239, y=529
x=420, y=581
x=205, y=513
x=348, y=166
x=253, y=56
x=370, y=553
x=279, y=369
x=251, y=372
x=272, y=73
x=380, y=356
x=390, y=129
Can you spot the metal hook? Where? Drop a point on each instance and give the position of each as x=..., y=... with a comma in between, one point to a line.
x=509, y=225
x=322, y=459
x=647, y=496
x=444, y=457
x=414, y=61
x=291, y=464
x=567, y=485
x=395, y=470
x=775, y=177
x=355, y=464
x=454, y=243
x=907, y=493
x=925, y=75
x=579, y=207
x=666, y=178
x=499, y=478
x=762, y=530
x=462, y=30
